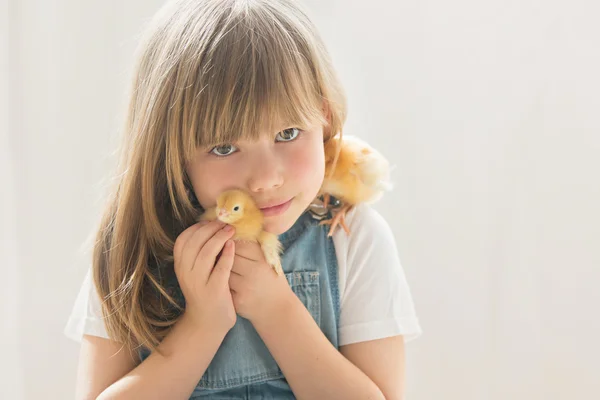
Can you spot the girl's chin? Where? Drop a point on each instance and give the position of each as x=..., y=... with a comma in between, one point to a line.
x=277, y=227
x=281, y=223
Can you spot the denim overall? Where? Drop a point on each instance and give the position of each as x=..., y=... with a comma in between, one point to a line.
x=243, y=368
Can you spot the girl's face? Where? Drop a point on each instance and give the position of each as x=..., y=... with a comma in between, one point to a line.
x=282, y=168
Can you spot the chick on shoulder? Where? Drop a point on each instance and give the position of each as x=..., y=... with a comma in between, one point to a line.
x=355, y=173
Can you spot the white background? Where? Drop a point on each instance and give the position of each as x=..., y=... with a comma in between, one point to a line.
x=489, y=110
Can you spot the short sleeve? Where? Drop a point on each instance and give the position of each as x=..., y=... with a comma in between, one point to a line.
x=375, y=299
x=86, y=315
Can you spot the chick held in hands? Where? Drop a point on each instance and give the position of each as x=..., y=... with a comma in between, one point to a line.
x=238, y=209
x=359, y=174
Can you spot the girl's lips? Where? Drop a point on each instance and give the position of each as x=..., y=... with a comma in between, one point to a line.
x=276, y=210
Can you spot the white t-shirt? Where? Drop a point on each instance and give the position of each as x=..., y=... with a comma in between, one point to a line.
x=375, y=300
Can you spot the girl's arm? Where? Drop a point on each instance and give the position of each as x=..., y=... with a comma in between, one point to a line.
x=383, y=361
x=101, y=362
x=313, y=367
x=188, y=351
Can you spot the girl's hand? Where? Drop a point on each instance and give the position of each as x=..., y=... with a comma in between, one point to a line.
x=258, y=292
x=203, y=280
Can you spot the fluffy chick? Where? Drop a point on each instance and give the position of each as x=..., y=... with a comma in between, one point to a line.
x=238, y=209
x=359, y=175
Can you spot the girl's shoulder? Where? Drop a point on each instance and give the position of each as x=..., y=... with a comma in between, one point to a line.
x=86, y=314
x=375, y=298
x=370, y=248
x=368, y=229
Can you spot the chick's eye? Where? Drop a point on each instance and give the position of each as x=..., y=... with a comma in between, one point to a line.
x=223, y=150
x=236, y=208
x=288, y=135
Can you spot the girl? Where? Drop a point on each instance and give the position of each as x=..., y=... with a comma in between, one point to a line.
x=236, y=94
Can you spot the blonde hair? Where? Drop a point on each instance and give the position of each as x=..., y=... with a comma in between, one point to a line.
x=206, y=72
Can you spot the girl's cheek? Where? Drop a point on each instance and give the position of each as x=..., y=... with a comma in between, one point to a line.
x=307, y=162
x=214, y=178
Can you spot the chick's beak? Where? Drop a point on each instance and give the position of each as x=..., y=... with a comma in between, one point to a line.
x=222, y=212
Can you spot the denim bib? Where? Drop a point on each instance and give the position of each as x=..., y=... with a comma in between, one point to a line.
x=243, y=368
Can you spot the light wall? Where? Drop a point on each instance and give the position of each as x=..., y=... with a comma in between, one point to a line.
x=489, y=109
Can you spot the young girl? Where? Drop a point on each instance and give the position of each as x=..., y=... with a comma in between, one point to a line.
x=236, y=94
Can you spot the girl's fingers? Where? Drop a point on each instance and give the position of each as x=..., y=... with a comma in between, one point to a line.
x=182, y=239
x=215, y=244
x=206, y=258
x=222, y=270
x=235, y=280
x=195, y=243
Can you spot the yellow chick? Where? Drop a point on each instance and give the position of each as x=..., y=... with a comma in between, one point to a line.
x=359, y=175
x=238, y=209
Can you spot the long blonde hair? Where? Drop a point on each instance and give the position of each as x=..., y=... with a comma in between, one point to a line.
x=206, y=72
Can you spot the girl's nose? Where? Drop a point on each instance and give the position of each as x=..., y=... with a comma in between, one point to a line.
x=266, y=173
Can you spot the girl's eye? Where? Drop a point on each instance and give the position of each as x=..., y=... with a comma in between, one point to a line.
x=223, y=150
x=288, y=135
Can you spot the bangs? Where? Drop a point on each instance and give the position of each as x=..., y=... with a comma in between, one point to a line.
x=270, y=84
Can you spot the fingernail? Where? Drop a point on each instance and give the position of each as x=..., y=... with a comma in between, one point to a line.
x=228, y=228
